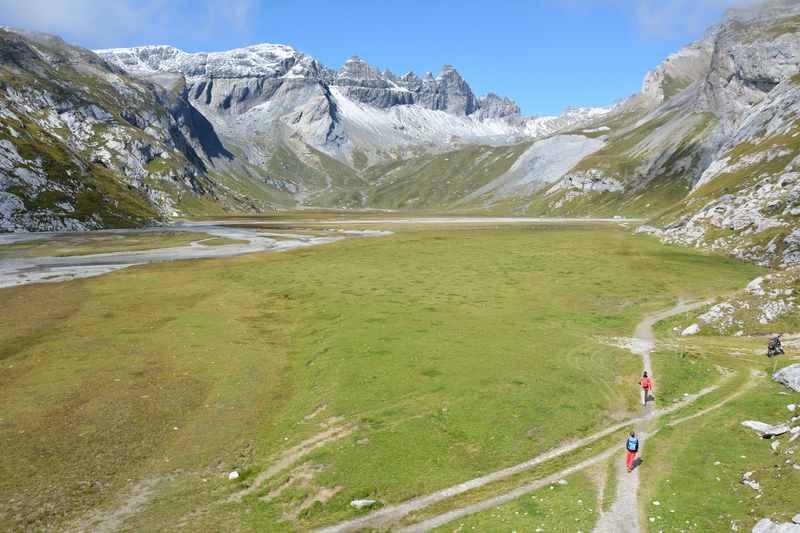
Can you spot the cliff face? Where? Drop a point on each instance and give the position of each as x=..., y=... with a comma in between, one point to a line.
x=710, y=147
x=357, y=111
x=85, y=146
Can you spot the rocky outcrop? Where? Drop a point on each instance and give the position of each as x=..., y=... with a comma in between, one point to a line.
x=754, y=51
x=766, y=306
x=84, y=146
x=493, y=106
x=789, y=376
x=679, y=70
x=768, y=526
x=715, y=126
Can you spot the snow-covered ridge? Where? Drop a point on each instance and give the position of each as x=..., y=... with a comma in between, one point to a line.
x=548, y=125
x=447, y=91
x=268, y=60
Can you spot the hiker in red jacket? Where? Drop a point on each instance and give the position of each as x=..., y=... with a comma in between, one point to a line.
x=647, y=386
x=632, y=446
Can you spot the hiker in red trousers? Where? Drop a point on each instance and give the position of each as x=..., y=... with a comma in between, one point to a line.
x=647, y=386
x=632, y=446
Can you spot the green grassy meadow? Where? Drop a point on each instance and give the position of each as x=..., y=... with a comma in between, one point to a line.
x=451, y=352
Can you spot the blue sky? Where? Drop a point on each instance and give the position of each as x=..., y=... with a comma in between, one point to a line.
x=545, y=54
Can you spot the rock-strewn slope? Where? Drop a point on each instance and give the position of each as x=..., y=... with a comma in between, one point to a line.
x=710, y=148
x=83, y=145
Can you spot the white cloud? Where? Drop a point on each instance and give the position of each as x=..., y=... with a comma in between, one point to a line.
x=663, y=18
x=101, y=23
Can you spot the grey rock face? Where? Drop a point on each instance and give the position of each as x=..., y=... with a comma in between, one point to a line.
x=240, y=79
x=494, y=106
x=789, y=376
x=124, y=143
x=752, y=55
x=362, y=83
x=768, y=526
x=448, y=92
x=679, y=70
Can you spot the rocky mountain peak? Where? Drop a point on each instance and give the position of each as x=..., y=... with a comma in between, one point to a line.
x=357, y=70
x=765, y=10
x=492, y=106
x=448, y=71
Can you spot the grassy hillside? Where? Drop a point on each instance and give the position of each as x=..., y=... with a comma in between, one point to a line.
x=441, y=180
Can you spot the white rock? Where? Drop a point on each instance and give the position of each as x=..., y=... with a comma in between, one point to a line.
x=768, y=526
x=753, y=484
x=789, y=376
x=648, y=229
x=774, y=431
x=791, y=407
x=691, y=330
x=360, y=504
x=754, y=287
x=233, y=475
x=562, y=481
x=775, y=445
x=761, y=427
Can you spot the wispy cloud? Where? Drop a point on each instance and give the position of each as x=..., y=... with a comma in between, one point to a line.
x=663, y=18
x=100, y=23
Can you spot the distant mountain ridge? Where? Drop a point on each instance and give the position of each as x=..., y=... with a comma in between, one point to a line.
x=306, y=97
x=708, y=149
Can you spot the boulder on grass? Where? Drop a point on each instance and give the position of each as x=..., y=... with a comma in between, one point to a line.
x=691, y=330
x=360, y=504
x=789, y=376
x=768, y=526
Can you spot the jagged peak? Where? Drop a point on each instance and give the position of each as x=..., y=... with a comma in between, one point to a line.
x=448, y=71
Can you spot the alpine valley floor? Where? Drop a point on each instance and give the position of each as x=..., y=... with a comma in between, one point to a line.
x=386, y=369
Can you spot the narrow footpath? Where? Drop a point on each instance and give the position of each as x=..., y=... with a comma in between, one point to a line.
x=623, y=517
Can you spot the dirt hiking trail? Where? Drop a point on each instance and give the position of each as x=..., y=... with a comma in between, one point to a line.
x=622, y=517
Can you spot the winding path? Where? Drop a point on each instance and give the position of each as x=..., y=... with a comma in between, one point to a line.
x=622, y=517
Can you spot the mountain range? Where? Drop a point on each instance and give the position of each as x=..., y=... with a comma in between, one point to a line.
x=708, y=150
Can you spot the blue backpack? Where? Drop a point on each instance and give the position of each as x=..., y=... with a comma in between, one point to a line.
x=633, y=444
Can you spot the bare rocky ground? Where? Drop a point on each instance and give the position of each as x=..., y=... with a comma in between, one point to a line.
x=24, y=270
